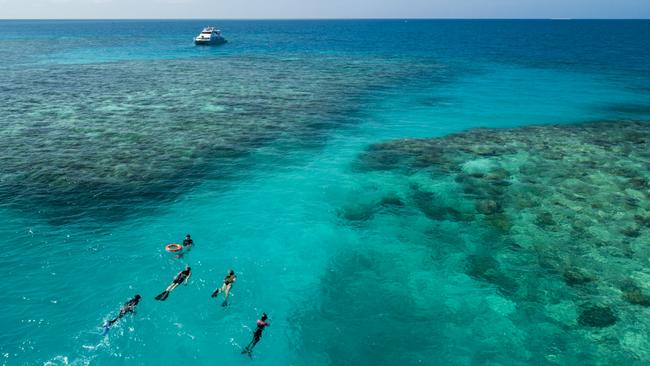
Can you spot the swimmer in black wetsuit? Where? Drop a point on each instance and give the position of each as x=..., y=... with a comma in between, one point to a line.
x=225, y=288
x=182, y=276
x=257, y=335
x=129, y=307
x=188, y=242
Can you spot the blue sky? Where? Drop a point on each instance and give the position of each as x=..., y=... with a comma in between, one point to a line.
x=221, y=9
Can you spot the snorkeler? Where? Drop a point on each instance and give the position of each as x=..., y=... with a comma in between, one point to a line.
x=188, y=242
x=257, y=335
x=225, y=288
x=182, y=276
x=128, y=307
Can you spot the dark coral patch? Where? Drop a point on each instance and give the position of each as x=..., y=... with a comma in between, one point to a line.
x=576, y=277
x=597, y=317
x=636, y=297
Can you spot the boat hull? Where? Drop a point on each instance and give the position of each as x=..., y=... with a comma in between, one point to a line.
x=214, y=42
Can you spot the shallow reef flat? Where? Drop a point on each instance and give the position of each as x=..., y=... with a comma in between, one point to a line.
x=554, y=219
x=108, y=138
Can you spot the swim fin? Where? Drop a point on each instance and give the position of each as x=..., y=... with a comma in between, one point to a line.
x=215, y=293
x=106, y=329
x=163, y=296
x=224, y=303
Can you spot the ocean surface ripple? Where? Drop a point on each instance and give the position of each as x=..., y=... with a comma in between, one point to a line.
x=389, y=192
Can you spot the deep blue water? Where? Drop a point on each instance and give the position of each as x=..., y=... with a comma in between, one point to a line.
x=119, y=137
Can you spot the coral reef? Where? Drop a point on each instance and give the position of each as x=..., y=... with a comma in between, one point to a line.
x=565, y=216
x=101, y=144
x=597, y=316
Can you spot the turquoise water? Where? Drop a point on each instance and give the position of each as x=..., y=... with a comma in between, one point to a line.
x=120, y=137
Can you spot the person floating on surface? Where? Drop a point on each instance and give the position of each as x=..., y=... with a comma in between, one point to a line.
x=128, y=307
x=188, y=244
x=225, y=288
x=257, y=335
x=182, y=276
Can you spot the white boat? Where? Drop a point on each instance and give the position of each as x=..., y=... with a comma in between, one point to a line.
x=210, y=36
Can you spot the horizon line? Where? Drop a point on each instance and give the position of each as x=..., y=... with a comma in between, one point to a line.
x=307, y=18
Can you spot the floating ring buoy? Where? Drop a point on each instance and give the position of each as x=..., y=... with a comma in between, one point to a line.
x=173, y=247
